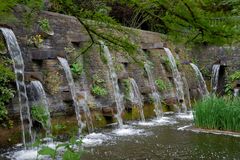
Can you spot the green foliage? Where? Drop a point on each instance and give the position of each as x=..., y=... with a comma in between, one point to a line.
x=39, y=114
x=77, y=69
x=44, y=25
x=162, y=85
x=127, y=88
x=218, y=113
x=35, y=40
x=191, y=21
x=98, y=88
x=235, y=76
x=6, y=93
x=72, y=150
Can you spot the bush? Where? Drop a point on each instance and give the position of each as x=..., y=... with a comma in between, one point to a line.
x=6, y=93
x=162, y=85
x=39, y=114
x=98, y=90
x=222, y=113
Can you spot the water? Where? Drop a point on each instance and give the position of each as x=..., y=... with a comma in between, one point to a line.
x=177, y=80
x=135, y=97
x=114, y=80
x=72, y=87
x=236, y=92
x=215, y=75
x=18, y=65
x=42, y=98
x=83, y=103
x=201, y=82
x=155, y=95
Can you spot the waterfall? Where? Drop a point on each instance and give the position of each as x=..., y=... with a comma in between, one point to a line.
x=236, y=92
x=177, y=80
x=135, y=97
x=72, y=87
x=83, y=102
x=114, y=80
x=42, y=99
x=201, y=82
x=215, y=75
x=155, y=95
x=18, y=65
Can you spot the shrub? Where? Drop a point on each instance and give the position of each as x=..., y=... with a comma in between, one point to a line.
x=39, y=114
x=77, y=69
x=162, y=85
x=221, y=113
x=98, y=90
x=44, y=25
x=6, y=93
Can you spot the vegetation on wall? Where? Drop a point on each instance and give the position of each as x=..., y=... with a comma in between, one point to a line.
x=39, y=114
x=229, y=86
x=162, y=85
x=6, y=93
x=220, y=113
x=98, y=88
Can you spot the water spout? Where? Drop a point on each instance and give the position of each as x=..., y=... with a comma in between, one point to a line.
x=135, y=97
x=215, y=76
x=18, y=65
x=155, y=95
x=42, y=99
x=114, y=80
x=201, y=82
x=177, y=80
x=72, y=87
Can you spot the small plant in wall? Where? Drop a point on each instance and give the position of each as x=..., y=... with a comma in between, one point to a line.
x=98, y=88
x=45, y=26
x=77, y=69
x=162, y=85
x=39, y=114
x=35, y=40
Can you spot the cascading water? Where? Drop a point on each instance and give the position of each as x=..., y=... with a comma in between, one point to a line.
x=215, y=75
x=83, y=103
x=18, y=65
x=42, y=100
x=177, y=80
x=114, y=80
x=155, y=95
x=201, y=82
x=135, y=97
x=236, y=92
x=71, y=85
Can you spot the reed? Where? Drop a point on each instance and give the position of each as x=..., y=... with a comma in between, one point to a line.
x=222, y=113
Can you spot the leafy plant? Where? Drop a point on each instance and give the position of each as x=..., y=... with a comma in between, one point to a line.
x=39, y=114
x=44, y=25
x=6, y=93
x=36, y=40
x=70, y=150
x=235, y=76
x=162, y=85
x=98, y=90
x=127, y=87
x=218, y=113
x=77, y=69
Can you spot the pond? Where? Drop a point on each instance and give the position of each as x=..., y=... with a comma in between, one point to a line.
x=154, y=140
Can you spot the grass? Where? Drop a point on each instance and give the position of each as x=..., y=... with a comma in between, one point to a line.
x=222, y=113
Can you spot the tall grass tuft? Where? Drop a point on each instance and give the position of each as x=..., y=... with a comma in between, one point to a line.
x=222, y=113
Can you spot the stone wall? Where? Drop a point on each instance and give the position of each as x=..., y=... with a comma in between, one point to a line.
x=41, y=64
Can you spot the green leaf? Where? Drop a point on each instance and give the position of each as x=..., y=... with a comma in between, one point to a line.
x=69, y=155
x=48, y=152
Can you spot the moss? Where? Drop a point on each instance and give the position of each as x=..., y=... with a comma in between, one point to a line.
x=99, y=120
x=148, y=110
x=132, y=114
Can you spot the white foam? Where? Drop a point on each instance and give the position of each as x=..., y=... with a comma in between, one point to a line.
x=24, y=155
x=146, y=123
x=165, y=121
x=185, y=116
x=183, y=128
x=128, y=131
x=94, y=139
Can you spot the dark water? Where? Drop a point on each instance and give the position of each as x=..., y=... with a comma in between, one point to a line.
x=166, y=142
x=162, y=142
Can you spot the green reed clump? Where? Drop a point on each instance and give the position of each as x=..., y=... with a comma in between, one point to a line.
x=222, y=113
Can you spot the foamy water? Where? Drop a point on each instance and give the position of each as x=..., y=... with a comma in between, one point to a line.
x=185, y=116
x=128, y=131
x=95, y=139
